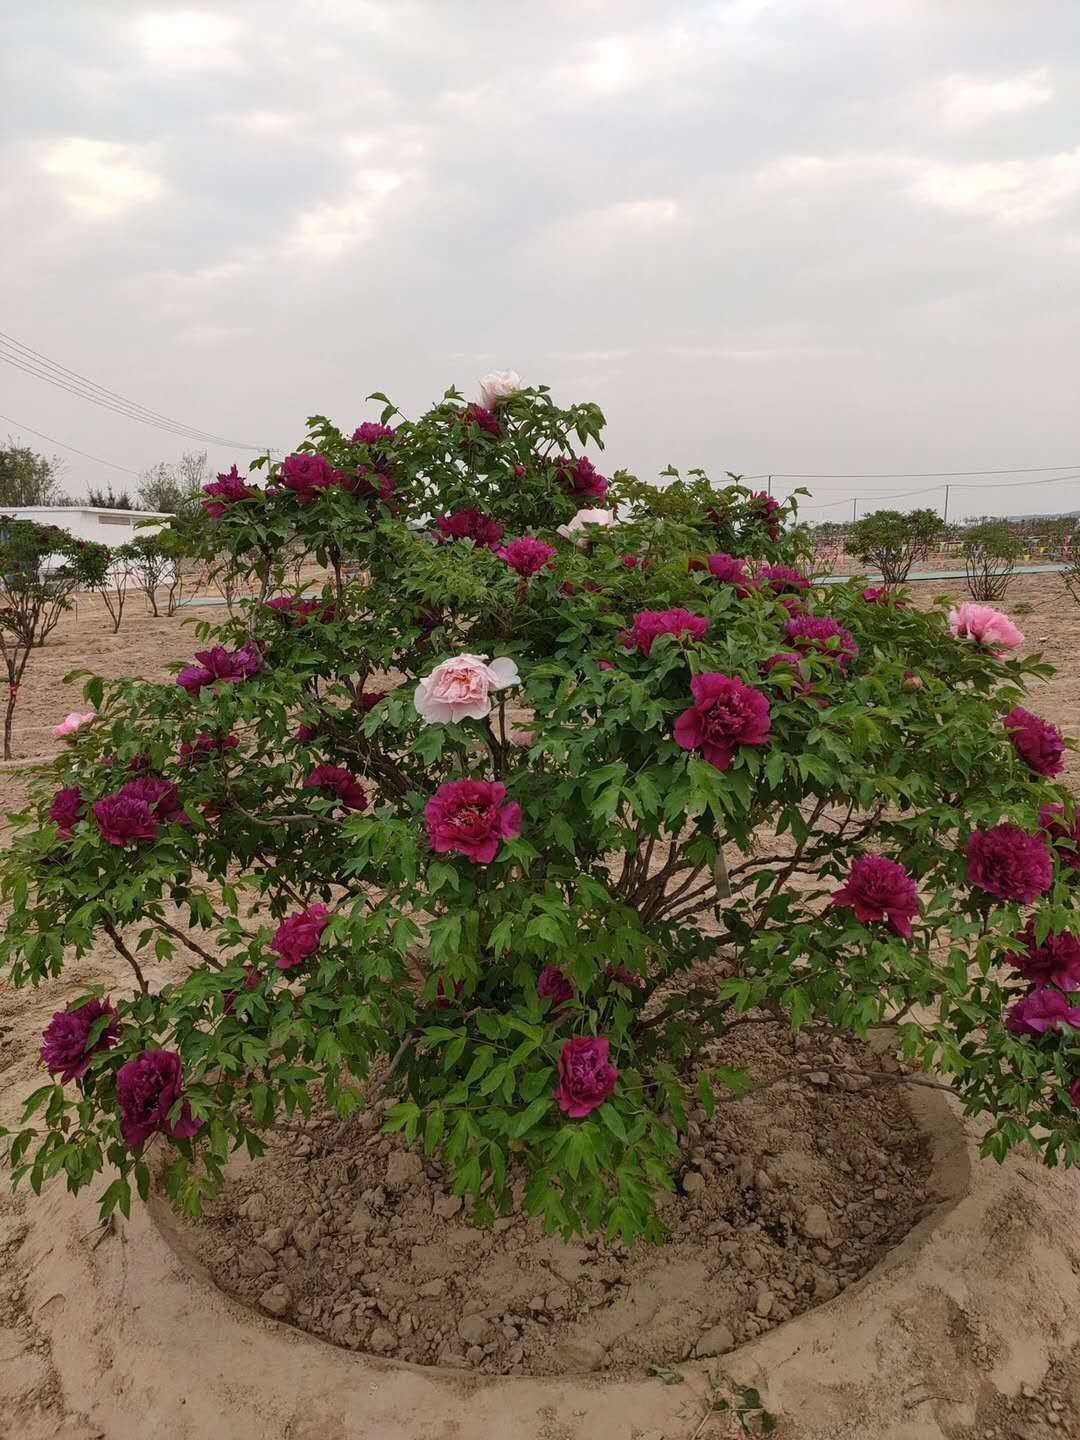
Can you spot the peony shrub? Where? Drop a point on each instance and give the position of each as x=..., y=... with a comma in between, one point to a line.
x=511, y=834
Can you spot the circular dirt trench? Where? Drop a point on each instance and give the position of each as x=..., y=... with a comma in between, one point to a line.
x=788, y=1196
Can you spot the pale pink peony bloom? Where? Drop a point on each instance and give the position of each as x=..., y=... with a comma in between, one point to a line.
x=71, y=723
x=523, y=739
x=583, y=518
x=498, y=385
x=985, y=625
x=460, y=688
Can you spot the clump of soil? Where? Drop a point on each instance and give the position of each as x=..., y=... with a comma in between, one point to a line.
x=789, y=1195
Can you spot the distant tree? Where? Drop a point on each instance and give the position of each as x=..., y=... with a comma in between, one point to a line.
x=154, y=567
x=893, y=541
x=990, y=551
x=108, y=499
x=175, y=489
x=27, y=478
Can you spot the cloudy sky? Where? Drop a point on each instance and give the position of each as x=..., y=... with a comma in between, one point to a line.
x=765, y=235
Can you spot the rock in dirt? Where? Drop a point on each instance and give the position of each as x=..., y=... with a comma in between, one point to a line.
x=273, y=1240
x=825, y=1287
x=816, y=1223
x=474, y=1329
x=693, y=1182
x=764, y=1303
x=403, y=1169
x=717, y=1341
x=576, y=1356
x=276, y=1300
x=433, y=1290
x=383, y=1340
x=255, y=1207
x=447, y=1206
x=255, y=1261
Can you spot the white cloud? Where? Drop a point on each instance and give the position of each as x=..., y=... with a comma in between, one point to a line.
x=183, y=39
x=99, y=179
x=327, y=231
x=968, y=101
x=1015, y=192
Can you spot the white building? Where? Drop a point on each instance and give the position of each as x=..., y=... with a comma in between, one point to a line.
x=87, y=522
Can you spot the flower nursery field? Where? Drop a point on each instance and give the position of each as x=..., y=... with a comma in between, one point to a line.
x=341, y=1232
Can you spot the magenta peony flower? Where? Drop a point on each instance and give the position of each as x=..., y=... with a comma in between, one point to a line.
x=881, y=595
x=1009, y=863
x=121, y=819
x=226, y=490
x=726, y=714
x=366, y=703
x=649, y=625
x=206, y=745
x=444, y=1000
x=552, y=984
x=147, y=1088
x=296, y=609
x=370, y=433
x=475, y=416
x=1055, y=962
x=335, y=781
x=782, y=580
x=161, y=796
x=580, y=478
x=823, y=634
x=1038, y=743
x=585, y=1077
x=298, y=937
x=252, y=980
x=64, y=1048
x=1074, y=1092
x=985, y=625
x=528, y=556
x=763, y=508
x=308, y=476
x=1042, y=1010
x=1065, y=840
x=469, y=817
x=880, y=889
x=368, y=484
x=470, y=524
x=730, y=571
x=66, y=809
x=305, y=734
x=219, y=665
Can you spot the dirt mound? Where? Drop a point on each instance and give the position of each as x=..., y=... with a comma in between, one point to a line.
x=788, y=1197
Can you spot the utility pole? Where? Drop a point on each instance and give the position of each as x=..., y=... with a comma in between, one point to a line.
x=770, y=484
x=854, y=510
x=945, y=511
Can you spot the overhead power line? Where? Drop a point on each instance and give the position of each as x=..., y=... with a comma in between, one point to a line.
x=32, y=362
x=909, y=474
x=74, y=450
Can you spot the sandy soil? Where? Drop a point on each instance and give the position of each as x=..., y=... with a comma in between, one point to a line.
x=966, y=1330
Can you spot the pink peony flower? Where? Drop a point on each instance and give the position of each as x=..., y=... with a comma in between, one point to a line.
x=297, y=937
x=308, y=476
x=985, y=625
x=585, y=1077
x=498, y=385
x=147, y=1088
x=880, y=889
x=552, y=984
x=819, y=632
x=522, y=739
x=1009, y=863
x=731, y=571
x=580, y=478
x=1042, y=1010
x=1038, y=743
x=469, y=818
x=649, y=625
x=66, y=809
x=726, y=714
x=73, y=722
x=333, y=780
x=585, y=518
x=1055, y=962
x=226, y=490
x=1064, y=839
x=470, y=524
x=782, y=580
x=460, y=688
x=219, y=665
x=528, y=556
x=64, y=1048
